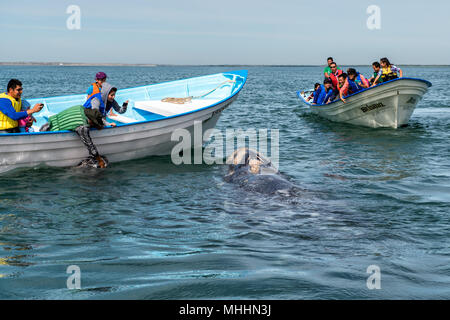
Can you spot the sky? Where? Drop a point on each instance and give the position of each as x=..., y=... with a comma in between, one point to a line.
x=242, y=32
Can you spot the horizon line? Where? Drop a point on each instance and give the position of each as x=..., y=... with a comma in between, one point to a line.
x=113, y=64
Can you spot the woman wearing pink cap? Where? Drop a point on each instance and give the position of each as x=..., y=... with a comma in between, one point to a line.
x=96, y=87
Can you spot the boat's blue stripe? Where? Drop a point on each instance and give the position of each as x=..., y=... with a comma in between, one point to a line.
x=429, y=84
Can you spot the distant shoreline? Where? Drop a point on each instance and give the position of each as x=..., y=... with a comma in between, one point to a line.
x=74, y=64
x=83, y=64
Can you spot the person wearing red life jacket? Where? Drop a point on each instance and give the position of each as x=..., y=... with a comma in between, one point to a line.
x=334, y=74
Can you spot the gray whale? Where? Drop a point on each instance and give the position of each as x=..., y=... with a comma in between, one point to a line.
x=252, y=171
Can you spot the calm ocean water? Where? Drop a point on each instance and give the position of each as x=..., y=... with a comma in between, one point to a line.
x=148, y=229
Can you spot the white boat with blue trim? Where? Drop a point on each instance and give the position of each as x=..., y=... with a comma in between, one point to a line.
x=389, y=104
x=145, y=129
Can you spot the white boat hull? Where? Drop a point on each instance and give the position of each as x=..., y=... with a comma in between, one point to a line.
x=126, y=142
x=388, y=105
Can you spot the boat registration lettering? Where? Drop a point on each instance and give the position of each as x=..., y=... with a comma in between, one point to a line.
x=367, y=108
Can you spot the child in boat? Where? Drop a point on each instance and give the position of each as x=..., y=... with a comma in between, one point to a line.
x=388, y=71
x=105, y=102
x=376, y=73
x=316, y=87
x=111, y=103
x=25, y=124
x=96, y=87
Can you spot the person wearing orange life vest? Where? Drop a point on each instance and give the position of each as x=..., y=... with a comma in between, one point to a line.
x=11, y=105
x=96, y=87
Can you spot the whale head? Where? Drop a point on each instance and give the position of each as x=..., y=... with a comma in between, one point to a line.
x=250, y=160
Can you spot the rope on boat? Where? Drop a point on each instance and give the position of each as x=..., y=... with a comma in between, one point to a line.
x=189, y=99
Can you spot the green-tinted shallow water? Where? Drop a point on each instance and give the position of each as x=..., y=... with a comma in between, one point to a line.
x=148, y=229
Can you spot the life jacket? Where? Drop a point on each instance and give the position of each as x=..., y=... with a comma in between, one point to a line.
x=88, y=103
x=69, y=119
x=331, y=95
x=319, y=93
x=323, y=95
x=355, y=86
x=388, y=74
x=95, y=89
x=334, y=78
x=5, y=121
x=361, y=79
x=341, y=89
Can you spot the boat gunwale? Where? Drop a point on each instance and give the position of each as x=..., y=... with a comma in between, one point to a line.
x=241, y=73
x=428, y=83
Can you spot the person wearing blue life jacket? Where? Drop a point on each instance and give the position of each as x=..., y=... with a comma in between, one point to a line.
x=332, y=92
x=95, y=101
x=312, y=95
x=105, y=102
x=356, y=81
x=324, y=92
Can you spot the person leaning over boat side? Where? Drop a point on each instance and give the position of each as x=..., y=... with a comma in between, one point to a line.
x=11, y=106
x=104, y=101
x=96, y=87
x=376, y=72
x=343, y=86
x=80, y=120
x=388, y=71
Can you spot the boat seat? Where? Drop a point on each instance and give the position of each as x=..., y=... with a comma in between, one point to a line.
x=168, y=109
x=121, y=118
